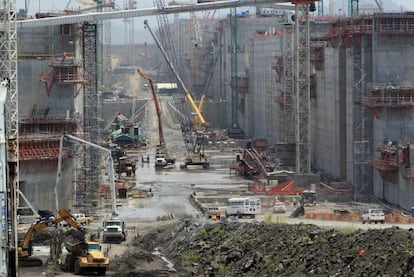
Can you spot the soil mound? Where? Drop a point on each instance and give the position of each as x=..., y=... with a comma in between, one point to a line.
x=264, y=249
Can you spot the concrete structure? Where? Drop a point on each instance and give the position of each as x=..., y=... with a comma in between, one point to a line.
x=360, y=97
x=47, y=107
x=51, y=103
x=361, y=91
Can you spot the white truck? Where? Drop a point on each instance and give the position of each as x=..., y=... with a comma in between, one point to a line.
x=114, y=231
x=373, y=215
x=243, y=206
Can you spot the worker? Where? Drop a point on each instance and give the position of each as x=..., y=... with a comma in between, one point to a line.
x=249, y=144
x=106, y=218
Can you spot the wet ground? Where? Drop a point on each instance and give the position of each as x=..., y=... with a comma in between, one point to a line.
x=171, y=189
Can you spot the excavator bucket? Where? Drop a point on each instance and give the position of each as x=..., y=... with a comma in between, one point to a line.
x=45, y=214
x=75, y=236
x=31, y=262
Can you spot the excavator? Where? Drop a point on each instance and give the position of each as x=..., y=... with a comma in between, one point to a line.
x=162, y=158
x=25, y=249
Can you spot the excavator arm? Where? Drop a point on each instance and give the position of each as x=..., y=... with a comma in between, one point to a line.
x=70, y=220
x=25, y=250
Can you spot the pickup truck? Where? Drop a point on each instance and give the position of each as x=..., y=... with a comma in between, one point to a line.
x=373, y=215
x=82, y=219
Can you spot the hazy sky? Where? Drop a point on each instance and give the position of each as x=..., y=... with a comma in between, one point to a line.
x=58, y=5
x=140, y=35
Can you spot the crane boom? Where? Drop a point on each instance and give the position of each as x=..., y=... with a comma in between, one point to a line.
x=110, y=167
x=187, y=93
x=157, y=105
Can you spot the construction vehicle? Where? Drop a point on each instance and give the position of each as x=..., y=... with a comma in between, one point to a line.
x=195, y=152
x=162, y=157
x=85, y=256
x=125, y=165
x=114, y=230
x=25, y=250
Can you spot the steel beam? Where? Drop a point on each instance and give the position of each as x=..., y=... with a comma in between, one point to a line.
x=96, y=16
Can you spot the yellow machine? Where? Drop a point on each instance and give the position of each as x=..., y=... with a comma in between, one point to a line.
x=86, y=256
x=25, y=249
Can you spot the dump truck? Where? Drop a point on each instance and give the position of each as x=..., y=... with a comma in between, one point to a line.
x=85, y=256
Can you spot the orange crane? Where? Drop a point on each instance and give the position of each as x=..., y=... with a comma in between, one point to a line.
x=195, y=155
x=157, y=105
x=162, y=158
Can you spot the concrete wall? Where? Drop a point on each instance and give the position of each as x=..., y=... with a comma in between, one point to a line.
x=36, y=48
x=221, y=89
x=326, y=123
x=262, y=113
x=38, y=183
x=392, y=65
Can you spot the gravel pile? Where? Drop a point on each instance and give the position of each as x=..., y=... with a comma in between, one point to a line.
x=264, y=249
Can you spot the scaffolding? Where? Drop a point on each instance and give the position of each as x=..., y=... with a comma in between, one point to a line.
x=87, y=181
x=10, y=200
x=302, y=89
x=362, y=125
x=286, y=97
x=395, y=95
x=361, y=34
x=348, y=31
x=66, y=70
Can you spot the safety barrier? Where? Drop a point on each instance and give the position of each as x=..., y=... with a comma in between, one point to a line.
x=354, y=217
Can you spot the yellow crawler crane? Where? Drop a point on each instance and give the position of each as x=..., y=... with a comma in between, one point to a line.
x=195, y=153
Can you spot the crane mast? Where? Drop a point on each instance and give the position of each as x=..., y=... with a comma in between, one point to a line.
x=4, y=201
x=9, y=134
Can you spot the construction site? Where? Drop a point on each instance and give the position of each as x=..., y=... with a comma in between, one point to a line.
x=300, y=97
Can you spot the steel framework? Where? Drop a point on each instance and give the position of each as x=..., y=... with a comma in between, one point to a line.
x=8, y=69
x=234, y=130
x=89, y=180
x=302, y=89
x=287, y=118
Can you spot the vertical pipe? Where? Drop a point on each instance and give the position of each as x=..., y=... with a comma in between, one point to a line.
x=59, y=172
